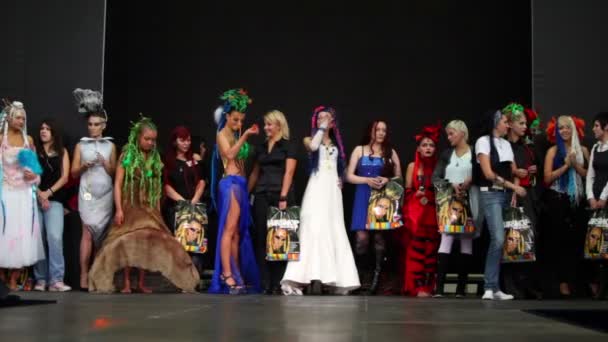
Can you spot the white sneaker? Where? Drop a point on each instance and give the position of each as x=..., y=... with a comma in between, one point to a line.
x=40, y=286
x=488, y=295
x=59, y=287
x=499, y=295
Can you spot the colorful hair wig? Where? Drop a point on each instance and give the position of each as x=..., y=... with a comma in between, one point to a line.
x=568, y=182
x=234, y=99
x=149, y=169
x=432, y=132
x=335, y=136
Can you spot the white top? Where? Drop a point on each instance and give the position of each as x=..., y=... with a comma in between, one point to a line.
x=599, y=147
x=503, y=147
x=459, y=168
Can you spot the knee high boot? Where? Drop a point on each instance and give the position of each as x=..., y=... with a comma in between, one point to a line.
x=373, y=288
x=442, y=269
x=464, y=265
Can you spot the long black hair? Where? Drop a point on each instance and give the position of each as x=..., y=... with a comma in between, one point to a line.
x=57, y=136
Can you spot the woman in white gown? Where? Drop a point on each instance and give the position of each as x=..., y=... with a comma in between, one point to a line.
x=20, y=234
x=325, y=253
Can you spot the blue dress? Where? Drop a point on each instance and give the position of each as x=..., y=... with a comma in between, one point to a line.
x=367, y=166
x=248, y=275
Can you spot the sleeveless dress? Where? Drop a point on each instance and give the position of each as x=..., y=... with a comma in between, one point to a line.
x=325, y=252
x=20, y=234
x=367, y=166
x=142, y=241
x=421, y=240
x=247, y=273
x=95, y=195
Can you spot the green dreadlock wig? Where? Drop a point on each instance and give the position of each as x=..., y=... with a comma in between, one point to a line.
x=234, y=99
x=150, y=168
x=513, y=111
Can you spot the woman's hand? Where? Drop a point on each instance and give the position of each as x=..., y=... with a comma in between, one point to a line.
x=593, y=203
x=28, y=175
x=514, y=200
x=601, y=204
x=457, y=189
x=419, y=194
x=373, y=183
x=383, y=181
x=119, y=217
x=521, y=173
x=532, y=169
x=253, y=130
x=466, y=185
x=45, y=205
x=520, y=191
x=283, y=205
x=100, y=159
x=44, y=195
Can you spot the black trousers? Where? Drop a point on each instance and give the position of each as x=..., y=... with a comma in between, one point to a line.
x=271, y=272
x=563, y=233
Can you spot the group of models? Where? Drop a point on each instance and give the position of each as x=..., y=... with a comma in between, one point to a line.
x=124, y=190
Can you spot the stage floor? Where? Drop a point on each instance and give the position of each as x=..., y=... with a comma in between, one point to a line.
x=175, y=317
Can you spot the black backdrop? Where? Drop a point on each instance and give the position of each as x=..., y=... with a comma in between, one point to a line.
x=412, y=63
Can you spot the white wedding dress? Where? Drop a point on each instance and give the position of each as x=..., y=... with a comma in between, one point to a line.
x=325, y=252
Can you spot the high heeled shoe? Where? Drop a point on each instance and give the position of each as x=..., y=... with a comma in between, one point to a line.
x=232, y=288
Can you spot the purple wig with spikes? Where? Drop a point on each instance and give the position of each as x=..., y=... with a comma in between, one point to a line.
x=336, y=138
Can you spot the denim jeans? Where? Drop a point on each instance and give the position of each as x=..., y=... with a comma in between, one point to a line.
x=52, y=269
x=492, y=204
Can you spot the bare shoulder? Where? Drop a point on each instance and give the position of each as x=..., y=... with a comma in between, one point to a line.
x=196, y=157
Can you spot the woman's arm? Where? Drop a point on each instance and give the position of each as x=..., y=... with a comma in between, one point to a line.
x=290, y=170
x=590, y=179
x=118, y=182
x=439, y=171
x=580, y=168
x=172, y=194
x=110, y=165
x=549, y=174
x=63, y=180
x=312, y=144
x=200, y=186
x=77, y=169
x=230, y=152
x=489, y=174
x=409, y=172
x=351, y=177
x=253, y=177
x=396, y=164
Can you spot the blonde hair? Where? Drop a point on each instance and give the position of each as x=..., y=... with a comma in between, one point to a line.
x=459, y=125
x=278, y=117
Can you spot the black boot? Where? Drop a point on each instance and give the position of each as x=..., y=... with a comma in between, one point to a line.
x=602, y=293
x=463, y=275
x=373, y=288
x=442, y=269
x=363, y=268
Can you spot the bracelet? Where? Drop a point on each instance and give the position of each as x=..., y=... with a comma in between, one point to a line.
x=51, y=190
